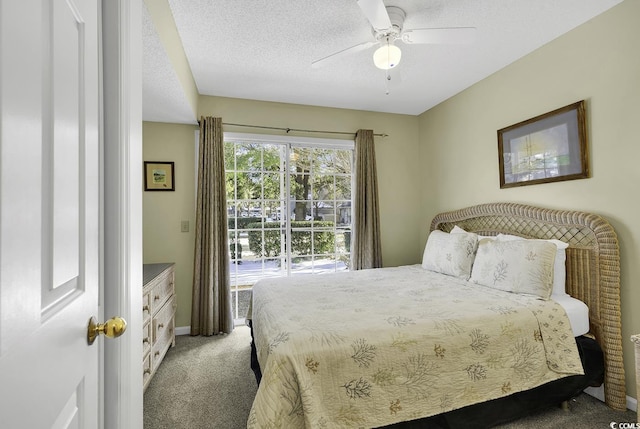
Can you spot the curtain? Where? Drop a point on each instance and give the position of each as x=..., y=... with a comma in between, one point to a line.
x=367, y=249
x=211, y=299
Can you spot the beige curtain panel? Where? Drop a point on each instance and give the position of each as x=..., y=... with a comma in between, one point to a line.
x=367, y=249
x=211, y=302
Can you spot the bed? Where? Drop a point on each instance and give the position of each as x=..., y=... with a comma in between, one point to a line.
x=402, y=346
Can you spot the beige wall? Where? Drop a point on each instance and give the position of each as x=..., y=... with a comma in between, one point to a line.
x=163, y=211
x=599, y=62
x=397, y=172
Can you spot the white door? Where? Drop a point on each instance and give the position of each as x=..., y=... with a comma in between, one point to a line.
x=49, y=213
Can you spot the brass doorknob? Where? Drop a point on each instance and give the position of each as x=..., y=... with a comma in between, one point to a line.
x=112, y=328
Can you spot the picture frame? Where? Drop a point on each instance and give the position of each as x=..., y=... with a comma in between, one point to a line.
x=551, y=147
x=159, y=176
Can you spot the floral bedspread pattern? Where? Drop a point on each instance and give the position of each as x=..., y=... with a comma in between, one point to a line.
x=374, y=347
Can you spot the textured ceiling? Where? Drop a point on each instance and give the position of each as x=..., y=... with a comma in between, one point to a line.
x=163, y=97
x=263, y=50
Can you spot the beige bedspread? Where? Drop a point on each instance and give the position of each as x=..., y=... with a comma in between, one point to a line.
x=374, y=347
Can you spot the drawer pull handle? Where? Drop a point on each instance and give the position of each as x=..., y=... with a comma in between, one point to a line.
x=157, y=297
x=156, y=354
x=147, y=371
x=161, y=325
x=145, y=340
x=145, y=308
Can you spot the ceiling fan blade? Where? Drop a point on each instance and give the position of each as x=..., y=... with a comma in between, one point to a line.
x=337, y=55
x=376, y=13
x=452, y=36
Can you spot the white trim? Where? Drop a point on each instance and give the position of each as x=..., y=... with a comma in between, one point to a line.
x=268, y=138
x=186, y=330
x=293, y=140
x=598, y=393
x=632, y=403
x=101, y=211
x=122, y=103
x=287, y=143
x=183, y=330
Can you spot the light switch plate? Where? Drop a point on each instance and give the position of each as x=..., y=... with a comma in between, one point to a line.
x=184, y=226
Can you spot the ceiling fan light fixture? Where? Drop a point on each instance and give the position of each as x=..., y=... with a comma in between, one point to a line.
x=387, y=56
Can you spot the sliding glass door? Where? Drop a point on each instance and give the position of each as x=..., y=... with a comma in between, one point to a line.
x=289, y=209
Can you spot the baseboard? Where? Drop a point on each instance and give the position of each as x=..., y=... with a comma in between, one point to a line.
x=186, y=330
x=632, y=403
x=183, y=330
x=598, y=393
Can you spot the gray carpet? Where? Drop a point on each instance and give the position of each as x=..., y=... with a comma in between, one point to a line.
x=203, y=382
x=206, y=382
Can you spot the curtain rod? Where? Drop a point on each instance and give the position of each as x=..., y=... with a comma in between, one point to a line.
x=287, y=130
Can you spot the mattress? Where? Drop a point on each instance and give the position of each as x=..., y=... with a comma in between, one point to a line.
x=577, y=312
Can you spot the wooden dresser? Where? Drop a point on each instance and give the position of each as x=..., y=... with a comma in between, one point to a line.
x=158, y=321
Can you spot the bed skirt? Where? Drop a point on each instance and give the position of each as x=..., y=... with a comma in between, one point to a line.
x=509, y=408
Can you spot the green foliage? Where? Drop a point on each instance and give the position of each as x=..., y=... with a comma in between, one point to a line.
x=257, y=175
x=347, y=240
x=249, y=167
x=243, y=222
x=255, y=171
x=271, y=239
x=323, y=242
x=233, y=246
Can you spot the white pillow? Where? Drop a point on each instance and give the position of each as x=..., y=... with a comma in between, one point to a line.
x=457, y=230
x=559, y=266
x=520, y=266
x=450, y=254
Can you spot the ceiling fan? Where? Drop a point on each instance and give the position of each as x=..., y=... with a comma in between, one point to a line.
x=387, y=28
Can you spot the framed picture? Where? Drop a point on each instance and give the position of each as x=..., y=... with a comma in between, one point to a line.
x=548, y=148
x=158, y=176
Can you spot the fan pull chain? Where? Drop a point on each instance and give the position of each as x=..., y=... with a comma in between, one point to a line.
x=386, y=83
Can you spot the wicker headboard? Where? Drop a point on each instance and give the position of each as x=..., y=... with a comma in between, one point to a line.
x=593, y=267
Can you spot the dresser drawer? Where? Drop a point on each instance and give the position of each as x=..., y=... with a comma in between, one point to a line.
x=162, y=290
x=146, y=371
x=147, y=339
x=163, y=331
x=146, y=307
x=163, y=320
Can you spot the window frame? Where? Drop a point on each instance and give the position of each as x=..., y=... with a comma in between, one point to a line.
x=292, y=142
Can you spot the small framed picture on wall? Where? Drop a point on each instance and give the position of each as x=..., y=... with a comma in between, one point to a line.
x=159, y=176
